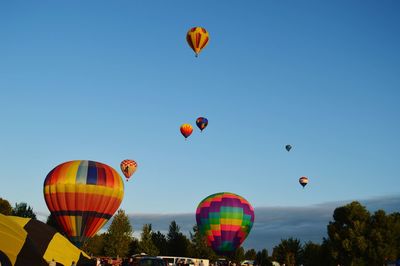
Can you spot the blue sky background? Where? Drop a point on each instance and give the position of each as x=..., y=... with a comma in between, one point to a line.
x=111, y=80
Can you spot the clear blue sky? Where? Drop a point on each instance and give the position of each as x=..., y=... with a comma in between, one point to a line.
x=111, y=80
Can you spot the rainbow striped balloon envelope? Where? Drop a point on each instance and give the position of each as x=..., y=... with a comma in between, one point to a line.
x=225, y=219
x=82, y=196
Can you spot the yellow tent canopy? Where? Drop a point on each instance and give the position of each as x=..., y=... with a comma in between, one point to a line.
x=24, y=241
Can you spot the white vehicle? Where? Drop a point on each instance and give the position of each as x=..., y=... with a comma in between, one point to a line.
x=184, y=261
x=247, y=263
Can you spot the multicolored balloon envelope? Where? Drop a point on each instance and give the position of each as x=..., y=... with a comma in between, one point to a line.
x=201, y=123
x=224, y=219
x=128, y=167
x=186, y=130
x=82, y=196
x=303, y=181
x=197, y=38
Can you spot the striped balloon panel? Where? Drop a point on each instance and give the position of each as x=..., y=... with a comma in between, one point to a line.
x=197, y=39
x=26, y=241
x=83, y=196
x=225, y=219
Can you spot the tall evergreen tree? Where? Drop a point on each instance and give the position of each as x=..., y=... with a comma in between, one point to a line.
x=262, y=258
x=160, y=240
x=134, y=246
x=178, y=243
x=250, y=254
x=146, y=244
x=23, y=210
x=119, y=236
x=95, y=245
x=313, y=254
x=199, y=247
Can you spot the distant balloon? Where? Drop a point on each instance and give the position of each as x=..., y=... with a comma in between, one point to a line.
x=82, y=196
x=197, y=39
x=128, y=167
x=201, y=123
x=288, y=147
x=224, y=219
x=186, y=130
x=303, y=181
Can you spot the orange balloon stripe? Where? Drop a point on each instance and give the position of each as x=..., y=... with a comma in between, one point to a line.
x=82, y=202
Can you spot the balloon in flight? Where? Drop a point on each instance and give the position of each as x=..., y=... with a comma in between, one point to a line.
x=303, y=181
x=288, y=147
x=82, y=196
x=201, y=123
x=224, y=219
x=186, y=130
x=197, y=38
x=128, y=167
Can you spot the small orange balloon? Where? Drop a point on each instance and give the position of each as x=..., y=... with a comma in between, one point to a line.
x=186, y=130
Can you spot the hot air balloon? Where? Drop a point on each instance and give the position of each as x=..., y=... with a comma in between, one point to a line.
x=186, y=130
x=197, y=38
x=201, y=123
x=303, y=181
x=128, y=167
x=82, y=196
x=26, y=241
x=224, y=219
x=288, y=147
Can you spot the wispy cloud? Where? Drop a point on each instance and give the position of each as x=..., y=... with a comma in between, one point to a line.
x=272, y=223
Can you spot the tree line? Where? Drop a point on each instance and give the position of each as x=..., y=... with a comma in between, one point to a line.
x=355, y=237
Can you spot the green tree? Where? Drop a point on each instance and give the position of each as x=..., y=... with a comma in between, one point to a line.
x=313, y=254
x=146, y=244
x=237, y=256
x=5, y=207
x=118, y=236
x=383, y=236
x=199, y=247
x=289, y=251
x=178, y=243
x=250, y=254
x=95, y=245
x=134, y=246
x=160, y=240
x=23, y=210
x=262, y=258
x=348, y=234
x=51, y=220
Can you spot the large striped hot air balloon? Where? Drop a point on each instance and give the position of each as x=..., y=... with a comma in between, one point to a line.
x=224, y=219
x=82, y=196
x=197, y=38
